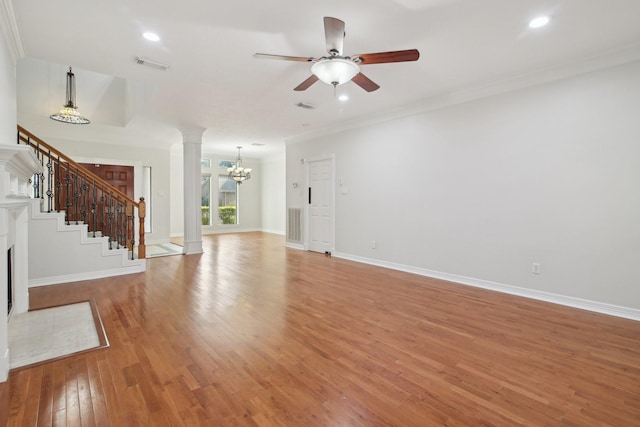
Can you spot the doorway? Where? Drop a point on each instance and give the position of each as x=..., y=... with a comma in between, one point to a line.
x=320, y=210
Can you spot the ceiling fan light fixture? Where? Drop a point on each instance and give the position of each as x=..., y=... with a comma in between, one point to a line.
x=335, y=71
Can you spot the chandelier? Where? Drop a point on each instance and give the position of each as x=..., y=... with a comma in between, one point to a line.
x=237, y=172
x=70, y=113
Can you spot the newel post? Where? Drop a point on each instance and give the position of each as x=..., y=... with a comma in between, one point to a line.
x=142, y=213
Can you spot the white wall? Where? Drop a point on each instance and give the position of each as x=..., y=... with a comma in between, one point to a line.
x=273, y=195
x=157, y=159
x=177, y=196
x=482, y=190
x=52, y=244
x=8, y=109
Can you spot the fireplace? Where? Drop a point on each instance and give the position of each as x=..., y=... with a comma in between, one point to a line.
x=10, y=290
x=17, y=165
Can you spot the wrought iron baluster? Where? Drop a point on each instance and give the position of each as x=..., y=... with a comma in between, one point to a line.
x=58, y=185
x=67, y=203
x=119, y=223
x=125, y=237
x=102, y=213
x=49, y=182
x=84, y=200
x=76, y=196
x=94, y=207
x=111, y=220
x=107, y=209
x=42, y=179
x=123, y=225
x=133, y=233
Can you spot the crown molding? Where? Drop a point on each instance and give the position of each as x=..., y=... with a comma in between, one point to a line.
x=11, y=31
x=609, y=59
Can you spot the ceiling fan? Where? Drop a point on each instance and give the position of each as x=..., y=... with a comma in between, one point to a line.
x=336, y=69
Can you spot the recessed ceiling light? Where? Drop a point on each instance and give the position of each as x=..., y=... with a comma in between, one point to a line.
x=257, y=144
x=343, y=97
x=540, y=21
x=151, y=36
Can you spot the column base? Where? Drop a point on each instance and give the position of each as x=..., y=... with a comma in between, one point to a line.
x=194, y=247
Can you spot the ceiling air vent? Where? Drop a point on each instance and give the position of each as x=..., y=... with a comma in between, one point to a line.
x=306, y=106
x=152, y=64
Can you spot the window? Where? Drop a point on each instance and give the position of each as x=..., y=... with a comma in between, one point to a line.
x=205, y=205
x=227, y=200
x=227, y=193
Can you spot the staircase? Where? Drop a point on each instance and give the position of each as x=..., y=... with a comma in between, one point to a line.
x=80, y=226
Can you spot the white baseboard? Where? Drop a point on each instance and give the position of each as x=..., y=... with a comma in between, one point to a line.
x=278, y=232
x=595, y=306
x=298, y=246
x=4, y=366
x=140, y=267
x=229, y=230
x=239, y=230
x=156, y=241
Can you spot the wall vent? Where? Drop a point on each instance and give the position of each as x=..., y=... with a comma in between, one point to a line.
x=294, y=225
x=152, y=64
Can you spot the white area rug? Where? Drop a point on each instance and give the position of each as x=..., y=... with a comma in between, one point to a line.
x=40, y=335
x=163, y=249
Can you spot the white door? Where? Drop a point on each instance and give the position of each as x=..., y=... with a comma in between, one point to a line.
x=320, y=205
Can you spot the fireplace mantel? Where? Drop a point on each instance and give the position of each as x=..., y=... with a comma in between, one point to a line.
x=18, y=164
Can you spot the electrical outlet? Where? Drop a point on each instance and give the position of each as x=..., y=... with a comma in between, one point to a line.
x=373, y=244
x=535, y=268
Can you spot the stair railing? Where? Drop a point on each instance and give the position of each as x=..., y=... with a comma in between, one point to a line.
x=65, y=185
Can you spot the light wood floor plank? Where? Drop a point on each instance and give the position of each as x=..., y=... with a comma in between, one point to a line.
x=251, y=333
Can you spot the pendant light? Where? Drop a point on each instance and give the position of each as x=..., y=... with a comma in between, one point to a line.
x=70, y=113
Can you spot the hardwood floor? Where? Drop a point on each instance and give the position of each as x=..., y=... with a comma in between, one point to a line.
x=253, y=334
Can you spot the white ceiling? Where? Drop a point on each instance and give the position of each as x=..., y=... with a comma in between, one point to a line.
x=214, y=82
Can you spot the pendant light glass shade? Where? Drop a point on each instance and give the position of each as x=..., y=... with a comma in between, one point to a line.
x=70, y=113
x=335, y=71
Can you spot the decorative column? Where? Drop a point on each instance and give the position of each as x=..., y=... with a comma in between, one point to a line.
x=192, y=153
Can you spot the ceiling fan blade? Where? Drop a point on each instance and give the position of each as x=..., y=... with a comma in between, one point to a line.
x=305, y=84
x=334, y=34
x=365, y=82
x=283, y=57
x=384, y=57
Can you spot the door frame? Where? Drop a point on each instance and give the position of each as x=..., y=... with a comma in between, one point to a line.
x=332, y=198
